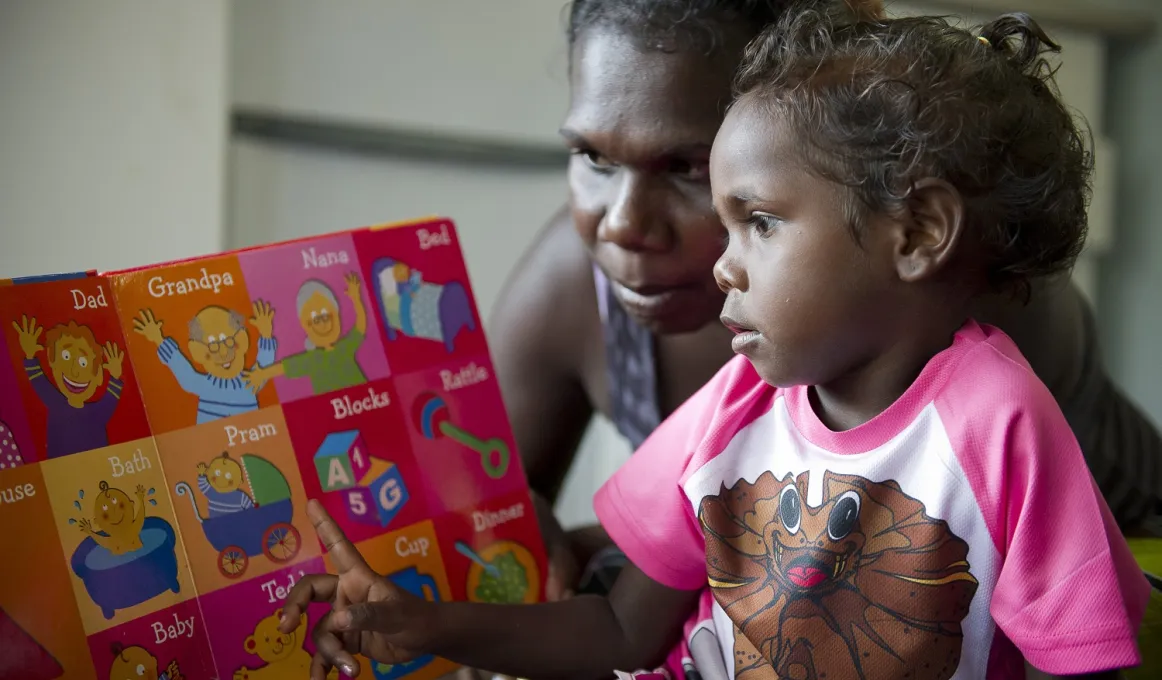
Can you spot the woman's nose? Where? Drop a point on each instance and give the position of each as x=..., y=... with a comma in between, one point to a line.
x=635, y=220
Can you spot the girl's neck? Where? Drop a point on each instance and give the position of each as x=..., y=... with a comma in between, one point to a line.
x=867, y=389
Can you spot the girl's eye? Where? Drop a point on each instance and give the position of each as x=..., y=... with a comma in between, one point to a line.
x=595, y=160
x=763, y=223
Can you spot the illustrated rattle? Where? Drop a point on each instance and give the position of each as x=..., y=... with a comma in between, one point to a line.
x=433, y=421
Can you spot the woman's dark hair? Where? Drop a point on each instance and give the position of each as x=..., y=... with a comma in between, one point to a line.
x=690, y=24
x=881, y=104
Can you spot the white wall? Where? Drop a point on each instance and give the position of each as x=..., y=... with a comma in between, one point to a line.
x=1131, y=315
x=112, y=132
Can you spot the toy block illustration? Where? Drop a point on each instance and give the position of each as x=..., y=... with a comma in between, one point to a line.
x=341, y=460
x=379, y=496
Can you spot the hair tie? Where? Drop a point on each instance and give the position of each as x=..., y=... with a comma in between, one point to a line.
x=984, y=40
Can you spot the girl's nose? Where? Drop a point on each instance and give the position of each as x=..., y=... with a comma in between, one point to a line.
x=729, y=274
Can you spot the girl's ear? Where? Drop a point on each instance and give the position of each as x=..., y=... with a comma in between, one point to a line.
x=930, y=231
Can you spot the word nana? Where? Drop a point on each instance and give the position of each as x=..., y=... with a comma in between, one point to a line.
x=179, y=628
x=434, y=239
x=465, y=377
x=15, y=494
x=277, y=593
x=485, y=520
x=82, y=300
x=311, y=259
x=159, y=287
x=346, y=406
x=137, y=463
x=244, y=435
x=405, y=546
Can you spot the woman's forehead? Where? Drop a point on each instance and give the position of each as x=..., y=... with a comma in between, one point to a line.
x=618, y=87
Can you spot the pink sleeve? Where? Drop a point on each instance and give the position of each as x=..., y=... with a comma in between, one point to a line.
x=1069, y=594
x=643, y=507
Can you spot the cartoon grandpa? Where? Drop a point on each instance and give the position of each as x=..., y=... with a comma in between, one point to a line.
x=78, y=365
x=218, y=341
x=329, y=360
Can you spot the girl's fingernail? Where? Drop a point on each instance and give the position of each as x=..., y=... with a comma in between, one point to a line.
x=349, y=670
x=342, y=619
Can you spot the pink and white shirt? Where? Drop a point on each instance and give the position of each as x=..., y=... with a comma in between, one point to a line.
x=954, y=533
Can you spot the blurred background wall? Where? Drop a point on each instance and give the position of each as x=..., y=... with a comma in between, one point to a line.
x=136, y=131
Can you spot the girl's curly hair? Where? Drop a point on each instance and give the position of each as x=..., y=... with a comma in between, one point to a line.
x=881, y=104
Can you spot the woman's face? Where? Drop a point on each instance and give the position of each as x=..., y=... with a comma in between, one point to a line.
x=640, y=126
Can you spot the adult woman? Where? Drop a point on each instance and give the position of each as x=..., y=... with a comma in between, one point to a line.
x=614, y=308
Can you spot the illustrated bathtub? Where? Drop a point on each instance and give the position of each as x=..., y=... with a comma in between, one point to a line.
x=122, y=581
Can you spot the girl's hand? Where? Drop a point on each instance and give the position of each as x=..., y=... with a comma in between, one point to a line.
x=395, y=623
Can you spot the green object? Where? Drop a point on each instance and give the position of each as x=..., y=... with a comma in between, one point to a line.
x=507, y=588
x=487, y=449
x=329, y=369
x=1148, y=553
x=265, y=480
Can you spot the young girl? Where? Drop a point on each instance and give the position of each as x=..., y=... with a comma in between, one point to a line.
x=878, y=486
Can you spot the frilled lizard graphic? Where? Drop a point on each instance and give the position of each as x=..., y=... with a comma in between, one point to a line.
x=864, y=586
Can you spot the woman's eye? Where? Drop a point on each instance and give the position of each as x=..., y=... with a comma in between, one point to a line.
x=595, y=160
x=691, y=170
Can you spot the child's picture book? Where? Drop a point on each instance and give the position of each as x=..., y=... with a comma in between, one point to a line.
x=162, y=429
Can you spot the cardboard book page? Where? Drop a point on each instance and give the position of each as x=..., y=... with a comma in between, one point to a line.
x=162, y=429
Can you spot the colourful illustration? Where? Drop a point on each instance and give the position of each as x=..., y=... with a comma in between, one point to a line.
x=860, y=576
x=460, y=433
x=420, y=309
x=329, y=360
x=493, y=553
x=218, y=342
x=238, y=525
x=78, y=364
x=373, y=489
x=66, y=346
x=242, y=621
x=41, y=635
x=24, y=658
x=238, y=497
x=504, y=572
x=135, y=663
x=423, y=302
x=194, y=334
x=431, y=418
x=282, y=655
x=115, y=523
x=15, y=449
x=327, y=340
x=352, y=449
x=169, y=644
x=126, y=557
x=9, y=448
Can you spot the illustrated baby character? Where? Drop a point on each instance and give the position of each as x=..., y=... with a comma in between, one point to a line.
x=282, y=654
x=329, y=360
x=134, y=663
x=221, y=483
x=114, y=514
x=407, y=281
x=218, y=342
x=78, y=364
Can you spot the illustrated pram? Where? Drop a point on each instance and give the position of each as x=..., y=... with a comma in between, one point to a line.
x=265, y=529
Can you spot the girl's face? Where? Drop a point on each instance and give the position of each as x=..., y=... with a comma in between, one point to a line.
x=640, y=126
x=805, y=299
